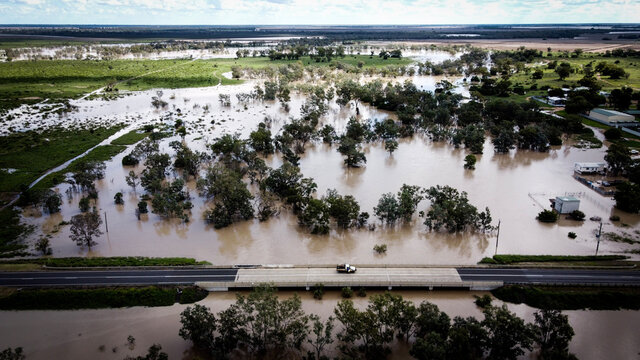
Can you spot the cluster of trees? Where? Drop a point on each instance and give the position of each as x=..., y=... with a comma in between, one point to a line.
x=449, y=209
x=260, y=325
x=627, y=196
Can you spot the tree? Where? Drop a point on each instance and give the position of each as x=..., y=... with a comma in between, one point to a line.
x=43, y=246
x=508, y=336
x=537, y=74
x=409, y=197
x=322, y=335
x=627, y=197
x=391, y=146
x=430, y=347
x=132, y=180
x=620, y=99
x=87, y=172
x=577, y=105
x=552, y=333
x=388, y=209
x=431, y=320
x=118, y=198
x=351, y=149
x=12, y=354
x=618, y=158
x=172, y=200
x=613, y=134
x=344, y=209
x=142, y=207
x=84, y=227
x=232, y=199
x=155, y=172
x=186, y=159
x=450, y=209
x=363, y=332
x=154, y=353
x=198, y=326
x=467, y=339
x=504, y=141
x=51, y=202
x=563, y=70
x=260, y=139
x=315, y=217
x=547, y=216
x=470, y=162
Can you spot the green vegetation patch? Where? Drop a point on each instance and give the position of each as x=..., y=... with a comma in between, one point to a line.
x=130, y=138
x=571, y=298
x=110, y=261
x=32, y=153
x=100, y=153
x=118, y=297
x=513, y=259
x=11, y=233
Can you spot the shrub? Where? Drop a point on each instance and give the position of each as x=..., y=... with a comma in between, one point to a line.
x=577, y=215
x=130, y=160
x=548, y=216
x=347, y=292
x=362, y=292
x=318, y=291
x=118, y=198
x=572, y=235
x=483, y=301
x=614, y=218
x=142, y=207
x=380, y=249
x=613, y=134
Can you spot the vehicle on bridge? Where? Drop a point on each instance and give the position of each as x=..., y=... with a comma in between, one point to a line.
x=346, y=268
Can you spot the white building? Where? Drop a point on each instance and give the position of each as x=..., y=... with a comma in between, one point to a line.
x=611, y=116
x=589, y=168
x=566, y=204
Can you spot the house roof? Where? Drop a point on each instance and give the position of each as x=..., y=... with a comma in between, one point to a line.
x=567, y=198
x=609, y=112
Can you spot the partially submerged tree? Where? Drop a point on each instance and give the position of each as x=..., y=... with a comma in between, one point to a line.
x=85, y=227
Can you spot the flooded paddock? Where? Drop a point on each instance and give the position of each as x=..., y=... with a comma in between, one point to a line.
x=102, y=334
x=515, y=186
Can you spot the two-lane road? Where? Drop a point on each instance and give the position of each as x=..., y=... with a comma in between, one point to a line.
x=115, y=277
x=551, y=276
x=191, y=276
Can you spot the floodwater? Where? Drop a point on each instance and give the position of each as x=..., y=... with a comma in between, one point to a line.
x=515, y=186
x=82, y=334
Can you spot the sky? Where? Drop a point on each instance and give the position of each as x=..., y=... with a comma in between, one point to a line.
x=321, y=12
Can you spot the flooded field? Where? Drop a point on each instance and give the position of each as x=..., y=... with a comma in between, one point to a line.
x=515, y=186
x=82, y=334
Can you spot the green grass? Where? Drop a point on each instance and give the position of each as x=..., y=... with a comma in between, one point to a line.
x=109, y=261
x=11, y=232
x=118, y=297
x=571, y=298
x=130, y=138
x=514, y=259
x=550, y=78
x=32, y=153
x=100, y=153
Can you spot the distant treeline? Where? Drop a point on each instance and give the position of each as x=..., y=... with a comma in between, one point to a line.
x=330, y=32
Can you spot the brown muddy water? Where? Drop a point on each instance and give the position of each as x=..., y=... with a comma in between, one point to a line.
x=82, y=334
x=515, y=186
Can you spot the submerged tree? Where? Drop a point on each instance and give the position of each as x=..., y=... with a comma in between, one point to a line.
x=84, y=227
x=451, y=209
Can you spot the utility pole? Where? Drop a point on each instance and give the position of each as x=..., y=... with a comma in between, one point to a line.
x=598, y=237
x=106, y=224
x=497, y=238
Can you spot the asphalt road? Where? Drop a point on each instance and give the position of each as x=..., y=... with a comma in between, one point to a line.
x=551, y=276
x=190, y=276
x=115, y=277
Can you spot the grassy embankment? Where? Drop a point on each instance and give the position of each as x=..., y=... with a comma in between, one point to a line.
x=97, y=298
x=573, y=259
x=130, y=138
x=569, y=298
x=116, y=261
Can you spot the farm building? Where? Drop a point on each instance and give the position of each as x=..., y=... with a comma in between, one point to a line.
x=611, y=116
x=589, y=168
x=566, y=204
